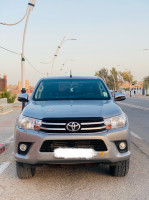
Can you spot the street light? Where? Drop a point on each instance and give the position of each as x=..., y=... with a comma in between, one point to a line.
x=31, y=5
x=46, y=63
x=58, y=49
x=66, y=61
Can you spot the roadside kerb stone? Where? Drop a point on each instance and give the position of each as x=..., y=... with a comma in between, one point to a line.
x=3, y=147
x=4, y=106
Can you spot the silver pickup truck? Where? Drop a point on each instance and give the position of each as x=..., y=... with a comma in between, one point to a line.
x=71, y=120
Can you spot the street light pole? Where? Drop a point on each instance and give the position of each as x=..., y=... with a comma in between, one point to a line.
x=66, y=61
x=31, y=5
x=130, y=84
x=114, y=81
x=58, y=49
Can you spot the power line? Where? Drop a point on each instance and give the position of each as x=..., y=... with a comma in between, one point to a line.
x=33, y=66
x=25, y=58
x=10, y=50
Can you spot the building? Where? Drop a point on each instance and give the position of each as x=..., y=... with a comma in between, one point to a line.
x=27, y=85
x=3, y=83
x=19, y=85
x=136, y=89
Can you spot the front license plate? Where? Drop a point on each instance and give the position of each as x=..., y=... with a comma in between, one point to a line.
x=74, y=153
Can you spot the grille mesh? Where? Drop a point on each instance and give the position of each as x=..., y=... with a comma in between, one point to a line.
x=50, y=145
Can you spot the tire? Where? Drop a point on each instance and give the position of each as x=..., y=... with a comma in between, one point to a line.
x=120, y=169
x=24, y=171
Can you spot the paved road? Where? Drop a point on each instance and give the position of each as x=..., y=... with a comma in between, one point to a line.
x=144, y=102
x=137, y=111
x=78, y=182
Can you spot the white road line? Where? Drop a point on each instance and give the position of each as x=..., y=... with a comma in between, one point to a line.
x=4, y=166
x=135, y=135
x=133, y=106
x=9, y=140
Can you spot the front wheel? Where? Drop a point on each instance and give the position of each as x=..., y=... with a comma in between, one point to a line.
x=24, y=171
x=120, y=169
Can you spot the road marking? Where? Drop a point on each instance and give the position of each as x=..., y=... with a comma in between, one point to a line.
x=135, y=135
x=142, y=98
x=9, y=140
x=4, y=166
x=133, y=106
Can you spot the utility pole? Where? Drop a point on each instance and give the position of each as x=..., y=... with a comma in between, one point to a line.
x=57, y=51
x=31, y=6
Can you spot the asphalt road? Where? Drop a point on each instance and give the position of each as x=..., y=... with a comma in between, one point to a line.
x=137, y=111
x=80, y=182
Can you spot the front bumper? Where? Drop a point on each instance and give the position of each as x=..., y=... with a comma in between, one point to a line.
x=34, y=156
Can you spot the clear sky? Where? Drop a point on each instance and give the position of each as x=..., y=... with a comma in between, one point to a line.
x=109, y=33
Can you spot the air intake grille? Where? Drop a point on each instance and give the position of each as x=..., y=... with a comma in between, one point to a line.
x=50, y=145
x=87, y=125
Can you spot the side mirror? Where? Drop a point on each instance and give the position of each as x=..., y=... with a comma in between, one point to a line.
x=23, y=97
x=119, y=96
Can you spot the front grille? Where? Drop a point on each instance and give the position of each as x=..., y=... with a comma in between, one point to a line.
x=87, y=125
x=50, y=145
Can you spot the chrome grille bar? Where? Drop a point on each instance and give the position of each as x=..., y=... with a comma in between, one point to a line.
x=93, y=128
x=53, y=129
x=90, y=123
x=57, y=124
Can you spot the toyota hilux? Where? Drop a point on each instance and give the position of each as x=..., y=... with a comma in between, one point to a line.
x=71, y=120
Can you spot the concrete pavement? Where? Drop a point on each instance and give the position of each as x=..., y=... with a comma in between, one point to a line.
x=77, y=182
x=80, y=182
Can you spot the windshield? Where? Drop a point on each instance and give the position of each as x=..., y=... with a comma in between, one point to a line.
x=71, y=89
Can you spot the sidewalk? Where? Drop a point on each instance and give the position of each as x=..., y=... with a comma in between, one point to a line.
x=7, y=124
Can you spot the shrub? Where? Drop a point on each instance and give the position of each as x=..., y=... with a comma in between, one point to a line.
x=10, y=97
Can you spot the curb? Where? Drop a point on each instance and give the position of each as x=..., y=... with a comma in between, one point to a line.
x=1, y=113
x=3, y=147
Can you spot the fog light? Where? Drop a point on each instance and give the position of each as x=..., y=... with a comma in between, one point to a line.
x=23, y=147
x=122, y=145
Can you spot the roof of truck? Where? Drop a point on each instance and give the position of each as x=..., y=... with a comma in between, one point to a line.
x=71, y=77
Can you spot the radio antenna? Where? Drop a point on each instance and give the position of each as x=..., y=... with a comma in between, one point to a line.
x=70, y=74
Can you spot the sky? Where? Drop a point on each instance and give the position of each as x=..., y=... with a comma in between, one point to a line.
x=109, y=33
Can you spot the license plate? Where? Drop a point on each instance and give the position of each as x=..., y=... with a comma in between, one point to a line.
x=74, y=153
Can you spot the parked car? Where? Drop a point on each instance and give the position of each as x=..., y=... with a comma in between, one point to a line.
x=71, y=120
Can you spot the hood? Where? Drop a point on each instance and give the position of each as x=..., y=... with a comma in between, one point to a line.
x=70, y=109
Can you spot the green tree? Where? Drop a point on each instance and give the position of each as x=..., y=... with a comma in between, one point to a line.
x=103, y=73
x=10, y=97
x=127, y=76
x=114, y=75
x=108, y=79
x=110, y=82
x=146, y=84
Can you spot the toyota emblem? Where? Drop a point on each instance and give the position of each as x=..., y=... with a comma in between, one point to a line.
x=73, y=126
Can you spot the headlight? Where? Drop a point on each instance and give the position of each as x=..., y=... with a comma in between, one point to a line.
x=116, y=122
x=29, y=123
